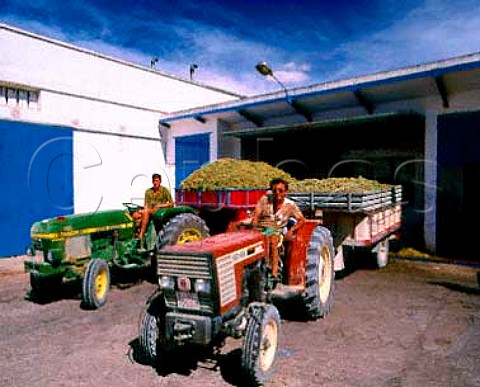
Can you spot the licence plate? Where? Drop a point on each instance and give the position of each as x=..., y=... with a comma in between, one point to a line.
x=187, y=300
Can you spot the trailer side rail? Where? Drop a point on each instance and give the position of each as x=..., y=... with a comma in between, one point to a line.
x=350, y=202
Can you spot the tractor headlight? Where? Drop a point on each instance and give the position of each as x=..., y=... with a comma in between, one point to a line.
x=202, y=286
x=166, y=282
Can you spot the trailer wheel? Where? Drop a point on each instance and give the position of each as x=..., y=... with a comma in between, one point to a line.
x=96, y=284
x=380, y=253
x=319, y=274
x=44, y=288
x=181, y=229
x=260, y=344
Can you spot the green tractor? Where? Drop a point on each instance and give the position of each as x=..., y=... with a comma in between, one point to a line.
x=89, y=247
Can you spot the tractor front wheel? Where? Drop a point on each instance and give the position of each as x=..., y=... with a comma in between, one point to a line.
x=96, y=284
x=149, y=334
x=260, y=344
x=152, y=336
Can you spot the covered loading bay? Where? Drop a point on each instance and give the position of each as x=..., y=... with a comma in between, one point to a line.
x=386, y=148
x=390, y=149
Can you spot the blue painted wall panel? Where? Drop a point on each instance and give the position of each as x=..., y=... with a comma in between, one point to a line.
x=191, y=152
x=36, y=179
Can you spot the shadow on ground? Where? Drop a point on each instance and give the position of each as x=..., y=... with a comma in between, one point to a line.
x=184, y=361
x=72, y=289
x=457, y=287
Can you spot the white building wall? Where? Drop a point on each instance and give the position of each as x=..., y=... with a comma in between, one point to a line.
x=111, y=170
x=113, y=106
x=35, y=61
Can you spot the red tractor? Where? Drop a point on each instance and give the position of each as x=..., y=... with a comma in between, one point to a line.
x=220, y=287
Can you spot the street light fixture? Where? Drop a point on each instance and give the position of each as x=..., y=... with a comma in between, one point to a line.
x=264, y=69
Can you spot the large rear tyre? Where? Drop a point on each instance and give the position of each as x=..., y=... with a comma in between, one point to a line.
x=319, y=274
x=96, y=284
x=260, y=344
x=181, y=229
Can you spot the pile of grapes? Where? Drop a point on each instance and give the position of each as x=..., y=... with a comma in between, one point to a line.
x=232, y=173
x=337, y=184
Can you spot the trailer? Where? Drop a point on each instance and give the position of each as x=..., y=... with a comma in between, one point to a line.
x=360, y=222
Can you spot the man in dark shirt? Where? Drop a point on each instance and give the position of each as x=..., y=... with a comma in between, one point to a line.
x=156, y=197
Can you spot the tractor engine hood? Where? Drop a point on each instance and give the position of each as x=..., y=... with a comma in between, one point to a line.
x=71, y=225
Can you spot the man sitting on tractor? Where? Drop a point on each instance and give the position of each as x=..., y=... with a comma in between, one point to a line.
x=272, y=214
x=156, y=197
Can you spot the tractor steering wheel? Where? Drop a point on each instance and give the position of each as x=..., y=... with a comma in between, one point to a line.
x=132, y=207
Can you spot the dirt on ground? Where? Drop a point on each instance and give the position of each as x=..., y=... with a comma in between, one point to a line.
x=409, y=324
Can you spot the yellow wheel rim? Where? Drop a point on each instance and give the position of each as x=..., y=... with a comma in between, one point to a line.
x=101, y=283
x=324, y=277
x=190, y=234
x=268, y=345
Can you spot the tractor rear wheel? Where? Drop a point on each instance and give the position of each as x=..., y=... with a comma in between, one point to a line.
x=96, y=284
x=182, y=228
x=319, y=274
x=260, y=344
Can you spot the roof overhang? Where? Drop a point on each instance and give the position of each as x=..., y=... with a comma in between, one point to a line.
x=363, y=94
x=410, y=117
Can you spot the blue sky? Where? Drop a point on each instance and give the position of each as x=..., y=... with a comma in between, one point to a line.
x=305, y=42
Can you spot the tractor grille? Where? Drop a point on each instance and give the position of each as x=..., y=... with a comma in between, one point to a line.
x=190, y=266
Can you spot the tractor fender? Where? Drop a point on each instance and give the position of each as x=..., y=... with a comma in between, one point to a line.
x=296, y=254
x=156, y=302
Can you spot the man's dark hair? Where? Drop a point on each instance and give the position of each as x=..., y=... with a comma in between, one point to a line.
x=278, y=180
x=156, y=175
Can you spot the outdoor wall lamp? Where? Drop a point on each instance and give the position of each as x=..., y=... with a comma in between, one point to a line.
x=264, y=69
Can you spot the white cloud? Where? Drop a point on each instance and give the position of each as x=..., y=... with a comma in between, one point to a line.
x=435, y=31
x=292, y=73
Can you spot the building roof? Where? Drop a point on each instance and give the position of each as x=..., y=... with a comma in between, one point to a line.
x=442, y=79
x=68, y=46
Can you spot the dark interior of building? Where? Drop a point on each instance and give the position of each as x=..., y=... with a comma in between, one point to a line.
x=389, y=151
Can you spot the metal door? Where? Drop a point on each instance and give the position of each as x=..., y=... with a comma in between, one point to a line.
x=191, y=152
x=35, y=179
